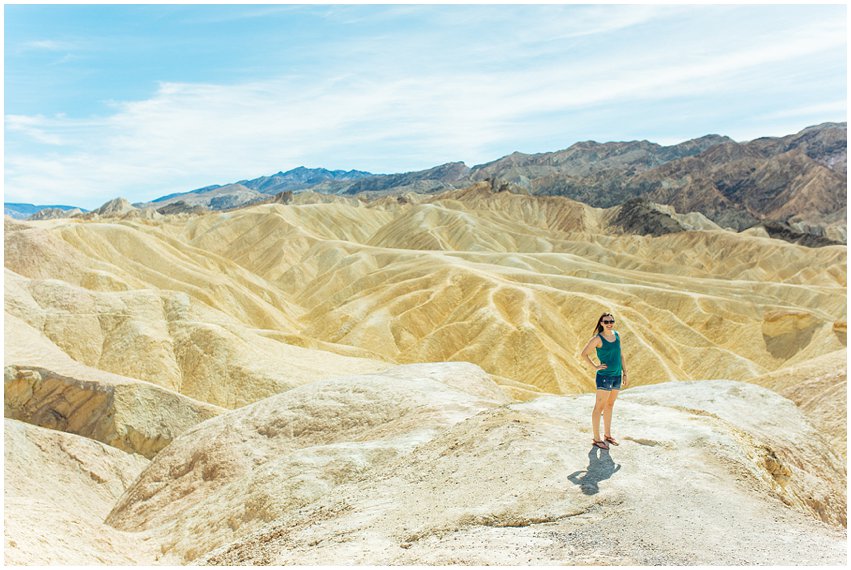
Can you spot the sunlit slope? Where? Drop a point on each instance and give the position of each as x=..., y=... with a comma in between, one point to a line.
x=819, y=387
x=126, y=299
x=527, y=316
x=507, y=485
x=134, y=255
x=271, y=240
x=515, y=283
x=57, y=490
x=512, y=283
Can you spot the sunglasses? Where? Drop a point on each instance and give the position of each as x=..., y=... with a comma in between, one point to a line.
x=608, y=322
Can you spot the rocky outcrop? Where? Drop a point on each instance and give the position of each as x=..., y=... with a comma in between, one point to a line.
x=231, y=476
x=786, y=232
x=783, y=330
x=114, y=208
x=181, y=207
x=816, y=386
x=284, y=197
x=54, y=213
x=57, y=489
x=638, y=216
x=429, y=464
x=706, y=473
x=135, y=417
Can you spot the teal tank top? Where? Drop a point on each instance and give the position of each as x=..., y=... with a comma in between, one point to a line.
x=610, y=355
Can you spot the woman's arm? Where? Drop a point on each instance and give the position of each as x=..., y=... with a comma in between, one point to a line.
x=623, y=370
x=586, y=352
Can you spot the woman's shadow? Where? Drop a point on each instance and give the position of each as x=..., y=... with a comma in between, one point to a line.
x=600, y=467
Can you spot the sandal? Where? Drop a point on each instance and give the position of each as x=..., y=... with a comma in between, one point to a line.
x=601, y=444
x=611, y=440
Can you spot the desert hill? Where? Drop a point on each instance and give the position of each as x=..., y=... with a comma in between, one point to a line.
x=21, y=211
x=508, y=486
x=216, y=198
x=506, y=281
x=329, y=379
x=58, y=488
x=815, y=386
x=430, y=464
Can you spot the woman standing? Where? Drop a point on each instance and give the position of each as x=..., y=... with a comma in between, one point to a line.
x=610, y=371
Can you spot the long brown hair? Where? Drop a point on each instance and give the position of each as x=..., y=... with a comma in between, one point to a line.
x=599, y=328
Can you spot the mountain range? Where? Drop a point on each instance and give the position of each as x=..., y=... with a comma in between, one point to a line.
x=20, y=211
x=798, y=180
x=295, y=179
x=795, y=185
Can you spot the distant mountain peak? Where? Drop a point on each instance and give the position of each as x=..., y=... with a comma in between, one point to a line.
x=20, y=211
x=114, y=207
x=299, y=178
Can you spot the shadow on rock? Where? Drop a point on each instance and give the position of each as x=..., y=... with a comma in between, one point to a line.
x=600, y=467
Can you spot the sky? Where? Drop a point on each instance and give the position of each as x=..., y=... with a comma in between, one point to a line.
x=140, y=101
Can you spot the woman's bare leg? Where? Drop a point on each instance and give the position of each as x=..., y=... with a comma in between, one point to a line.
x=607, y=411
x=599, y=406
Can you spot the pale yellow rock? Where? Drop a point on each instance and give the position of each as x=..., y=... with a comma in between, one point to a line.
x=114, y=208
x=692, y=220
x=229, y=476
x=819, y=387
x=512, y=283
x=142, y=214
x=135, y=328
x=703, y=468
x=136, y=417
x=691, y=314
x=164, y=337
x=57, y=489
x=45, y=386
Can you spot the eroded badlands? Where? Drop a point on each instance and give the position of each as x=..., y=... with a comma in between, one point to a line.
x=226, y=388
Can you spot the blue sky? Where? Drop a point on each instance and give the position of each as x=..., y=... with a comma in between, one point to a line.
x=141, y=101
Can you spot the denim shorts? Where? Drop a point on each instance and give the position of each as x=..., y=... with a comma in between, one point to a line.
x=608, y=382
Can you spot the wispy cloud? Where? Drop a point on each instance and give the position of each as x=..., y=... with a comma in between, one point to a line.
x=231, y=13
x=35, y=128
x=48, y=45
x=362, y=107
x=836, y=108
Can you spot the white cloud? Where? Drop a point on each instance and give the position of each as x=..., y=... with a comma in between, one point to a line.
x=837, y=108
x=373, y=113
x=48, y=45
x=35, y=128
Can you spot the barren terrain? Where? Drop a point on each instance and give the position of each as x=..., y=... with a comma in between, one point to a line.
x=397, y=381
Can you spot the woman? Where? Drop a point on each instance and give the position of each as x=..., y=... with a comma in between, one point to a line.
x=610, y=371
